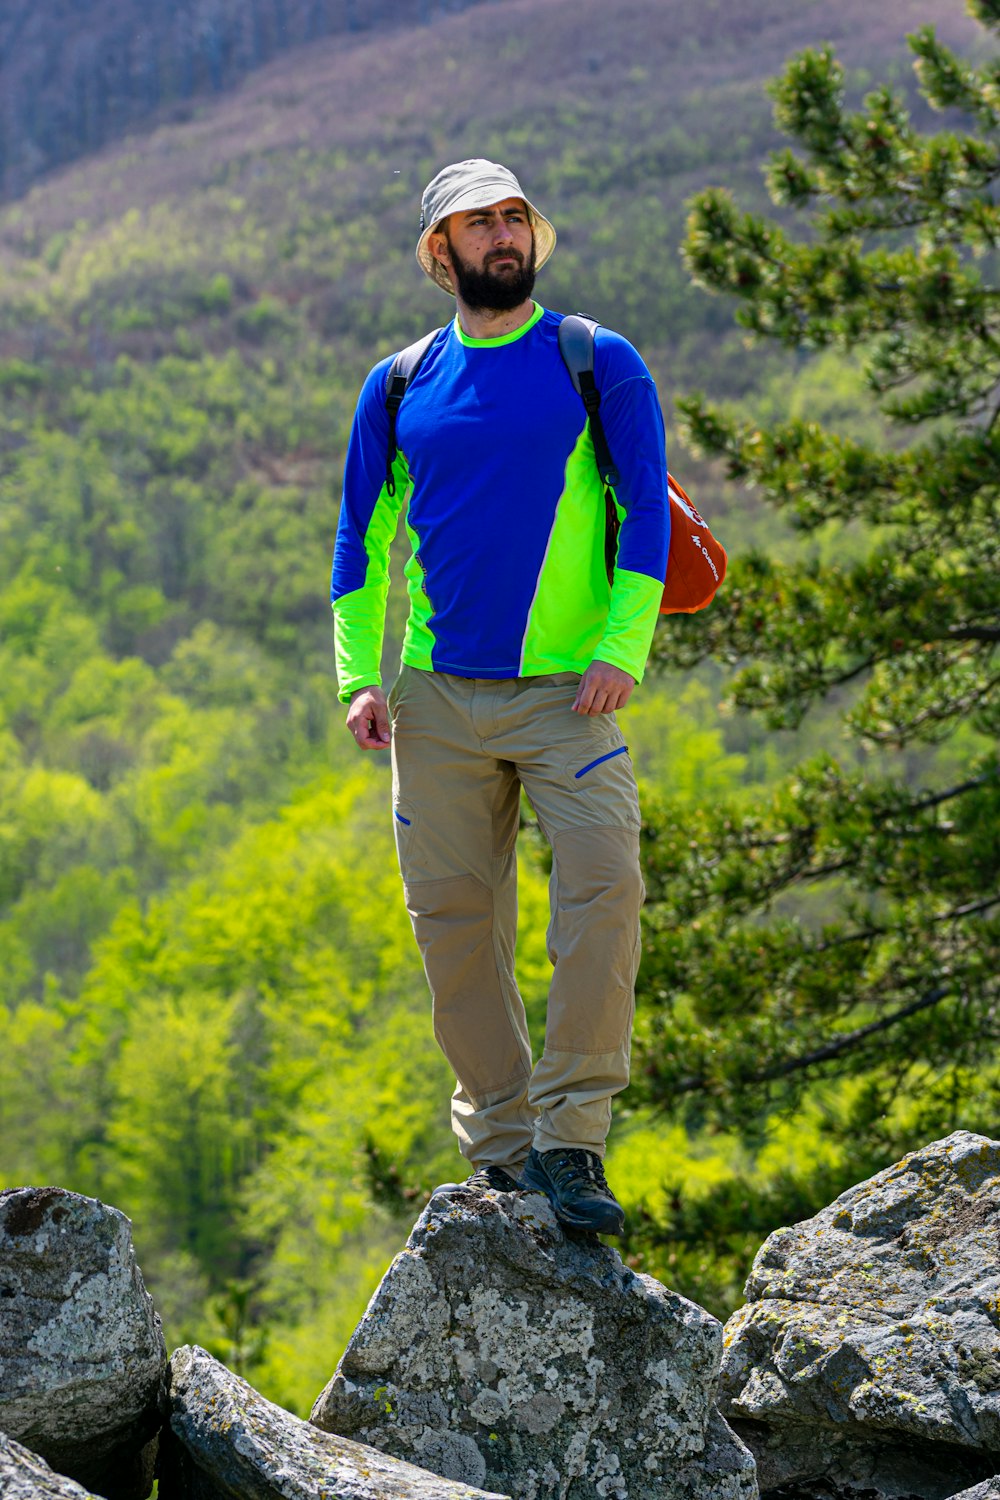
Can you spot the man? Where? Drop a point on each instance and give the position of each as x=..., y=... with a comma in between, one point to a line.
x=517, y=652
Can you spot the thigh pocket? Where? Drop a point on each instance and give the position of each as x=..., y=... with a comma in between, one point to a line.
x=598, y=760
x=403, y=823
x=604, y=779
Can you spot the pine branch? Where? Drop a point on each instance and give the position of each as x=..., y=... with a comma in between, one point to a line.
x=971, y=909
x=841, y=1044
x=974, y=632
x=936, y=798
x=934, y=714
x=851, y=1039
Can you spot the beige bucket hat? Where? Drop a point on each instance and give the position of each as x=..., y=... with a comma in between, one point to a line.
x=465, y=185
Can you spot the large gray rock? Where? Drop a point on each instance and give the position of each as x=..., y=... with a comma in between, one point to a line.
x=867, y=1358
x=25, y=1476
x=500, y=1351
x=82, y=1358
x=988, y=1490
x=227, y=1443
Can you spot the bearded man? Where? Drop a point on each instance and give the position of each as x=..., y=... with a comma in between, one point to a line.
x=518, y=649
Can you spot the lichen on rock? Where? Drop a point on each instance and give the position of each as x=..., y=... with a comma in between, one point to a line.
x=503, y=1352
x=871, y=1333
x=83, y=1358
x=226, y=1442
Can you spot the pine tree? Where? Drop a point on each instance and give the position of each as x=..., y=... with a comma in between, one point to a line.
x=848, y=928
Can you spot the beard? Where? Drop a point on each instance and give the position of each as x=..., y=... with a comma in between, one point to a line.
x=494, y=291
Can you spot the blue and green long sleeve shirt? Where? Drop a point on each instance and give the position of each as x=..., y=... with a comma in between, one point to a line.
x=505, y=513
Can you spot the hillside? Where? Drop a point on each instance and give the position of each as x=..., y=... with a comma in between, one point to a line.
x=308, y=177
x=74, y=79
x=211, y=1011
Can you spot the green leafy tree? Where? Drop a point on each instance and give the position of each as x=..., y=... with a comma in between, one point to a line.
x=841, y=933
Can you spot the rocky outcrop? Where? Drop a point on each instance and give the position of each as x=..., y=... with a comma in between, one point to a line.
x=867, y=1359
x=501, y=1352
x=83, y=1358
x=513, y=1361
x=25, y=1476
x=227, y=1443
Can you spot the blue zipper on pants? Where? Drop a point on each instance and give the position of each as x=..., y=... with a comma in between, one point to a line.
x=622, y=750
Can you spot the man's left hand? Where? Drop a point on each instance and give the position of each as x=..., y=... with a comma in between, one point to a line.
x=603, y=688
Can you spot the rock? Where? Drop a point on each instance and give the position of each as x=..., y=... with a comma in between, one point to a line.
x=801, y=1463
x=227, y=1443
x=82, y=1357
x=988, y=1490
x=501, y=1352
x=867, y=1358
x=25, y=1476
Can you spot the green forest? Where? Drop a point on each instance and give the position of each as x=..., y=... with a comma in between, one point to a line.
x=212, y=1013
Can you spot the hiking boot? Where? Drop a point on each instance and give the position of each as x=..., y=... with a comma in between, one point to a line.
x=492, y=1179
x=575, y=1185
x=486, y=1179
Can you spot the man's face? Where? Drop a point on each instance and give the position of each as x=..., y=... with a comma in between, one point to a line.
x=492, y=254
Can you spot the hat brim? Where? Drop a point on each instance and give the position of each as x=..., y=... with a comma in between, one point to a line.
x=545, y=239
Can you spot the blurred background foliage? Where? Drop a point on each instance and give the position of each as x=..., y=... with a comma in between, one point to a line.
x=211, y=1009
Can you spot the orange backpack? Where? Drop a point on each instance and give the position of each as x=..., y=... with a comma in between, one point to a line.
x=696, y=562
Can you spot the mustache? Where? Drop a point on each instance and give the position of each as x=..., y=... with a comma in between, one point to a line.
x=510, y=254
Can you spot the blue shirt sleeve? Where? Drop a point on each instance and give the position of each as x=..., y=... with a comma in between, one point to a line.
x=369, y=515
x=364, y=476
x=633, y=423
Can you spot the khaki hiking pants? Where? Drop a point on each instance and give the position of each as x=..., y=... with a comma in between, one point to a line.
x=462, y=748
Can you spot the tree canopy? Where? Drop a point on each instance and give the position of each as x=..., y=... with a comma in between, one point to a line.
x=841, y=932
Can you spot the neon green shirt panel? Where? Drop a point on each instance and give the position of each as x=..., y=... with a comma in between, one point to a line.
x=418, y=639
x=359, y=617
x=570, y=607
x=574, y=616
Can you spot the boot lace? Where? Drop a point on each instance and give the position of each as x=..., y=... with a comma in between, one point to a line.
x=493, y=1179
x=568, y=1166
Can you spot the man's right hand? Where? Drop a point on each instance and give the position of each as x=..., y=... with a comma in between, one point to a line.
x=368, y=718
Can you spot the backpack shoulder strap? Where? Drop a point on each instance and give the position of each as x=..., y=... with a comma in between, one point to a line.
x=405, y=366
x=576, y=345
x=397, y=381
